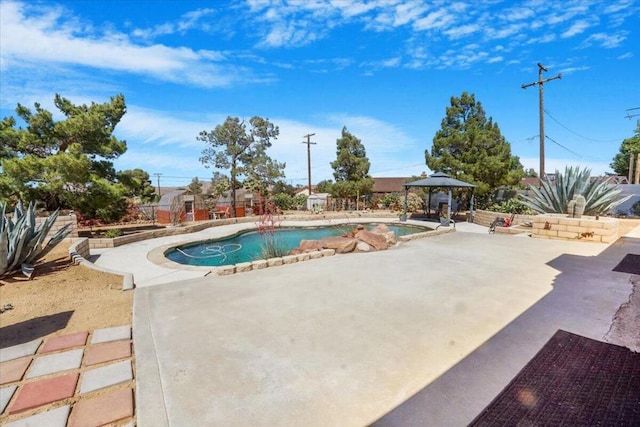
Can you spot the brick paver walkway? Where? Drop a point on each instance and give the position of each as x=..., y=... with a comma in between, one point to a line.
x=77, y=379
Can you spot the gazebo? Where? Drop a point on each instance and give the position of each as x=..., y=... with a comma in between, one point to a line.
x=439, y=180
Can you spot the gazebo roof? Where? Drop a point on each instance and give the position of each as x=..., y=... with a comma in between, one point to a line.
x=438, y=179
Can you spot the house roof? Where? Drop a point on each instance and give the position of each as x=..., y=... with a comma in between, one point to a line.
x=389, y=185
x=438, y=179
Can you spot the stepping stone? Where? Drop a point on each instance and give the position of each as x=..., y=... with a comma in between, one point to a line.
x=106, y=376
x=103, y=409
x=111, y=334
x=57, y=362
x=53, y=418
x=63, y=342
x=5, y=396
x=41, y=392
x=13, y=370
x=106, y=352
x=20, y=350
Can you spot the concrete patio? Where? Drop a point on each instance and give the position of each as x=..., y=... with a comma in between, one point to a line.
x=424, y=334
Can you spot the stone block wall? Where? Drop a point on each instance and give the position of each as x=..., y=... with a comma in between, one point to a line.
x=587, y=228
x=80, y=247
x=60, y=222
x=485, y=218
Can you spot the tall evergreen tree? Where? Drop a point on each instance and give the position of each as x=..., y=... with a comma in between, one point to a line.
x=470, y=147
x=351, y=168
x=66, y=163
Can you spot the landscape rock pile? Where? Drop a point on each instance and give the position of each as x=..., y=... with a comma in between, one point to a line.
x=358, y=240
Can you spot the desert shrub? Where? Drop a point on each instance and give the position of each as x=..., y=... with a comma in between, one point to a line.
x=113, y=232
x=299, y=201
x=414, y=203
x=283, y=201
x=513, y=206
x=390, y=201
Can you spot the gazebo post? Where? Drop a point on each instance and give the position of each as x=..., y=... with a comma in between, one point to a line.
x=471, y=206
x=449, y=208
x=406, y=205
x=429, y=205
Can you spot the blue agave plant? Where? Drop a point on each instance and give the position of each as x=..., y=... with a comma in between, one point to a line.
x=554, y=197
x=22, y=242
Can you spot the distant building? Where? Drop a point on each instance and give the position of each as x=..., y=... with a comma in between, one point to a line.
x=181, y=206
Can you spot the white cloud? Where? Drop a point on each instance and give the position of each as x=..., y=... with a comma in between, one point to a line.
x=30, y=35
x=501, y=33
x=576, y=28
x=434, y=20
x=546, y=38
x=462, y=31
x=626, y=55
x=517, y=14
x=606, y=40
x=407, y=12
x=569, y=70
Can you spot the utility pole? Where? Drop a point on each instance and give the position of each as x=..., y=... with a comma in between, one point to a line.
x=308, y=142
x=159, y=193
x=540, y=83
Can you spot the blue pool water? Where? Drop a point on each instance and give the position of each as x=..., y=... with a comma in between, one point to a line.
x=248, y=246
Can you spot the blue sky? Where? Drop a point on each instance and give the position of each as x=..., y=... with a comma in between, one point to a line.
x=385, y=69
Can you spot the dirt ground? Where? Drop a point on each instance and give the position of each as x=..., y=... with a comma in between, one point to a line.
x=61, y=297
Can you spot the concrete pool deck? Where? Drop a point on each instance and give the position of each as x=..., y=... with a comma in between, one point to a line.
x=424, y=334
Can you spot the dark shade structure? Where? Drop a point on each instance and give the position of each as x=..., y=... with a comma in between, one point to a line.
x=439, y=180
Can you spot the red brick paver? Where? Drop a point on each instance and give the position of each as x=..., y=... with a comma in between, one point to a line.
x=13, y=370
x=65, y=341
x=106, y=352
x=102, y=409
x=57, y=397
x=41, y=392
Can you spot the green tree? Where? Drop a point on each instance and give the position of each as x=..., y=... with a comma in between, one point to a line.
x=324, y=186
x=281, y=187
x=470, y=147
x=219, y=185
x=242, y=151
x=629, y=147
x=66, y=163
x=195, y=187
x=351, y=168
x=137, y=184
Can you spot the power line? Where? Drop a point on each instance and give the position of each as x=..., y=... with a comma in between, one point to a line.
x=576, y=133
x=562, y=146
x=402, y=167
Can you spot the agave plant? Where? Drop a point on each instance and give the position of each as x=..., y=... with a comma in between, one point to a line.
x=22, y=242
x=554, y=197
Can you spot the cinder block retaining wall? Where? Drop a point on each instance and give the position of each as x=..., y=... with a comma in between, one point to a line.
x=587, y=228
x=60, y=222
x=485, y=218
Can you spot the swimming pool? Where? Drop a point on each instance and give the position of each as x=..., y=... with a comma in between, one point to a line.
x=248, y=246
